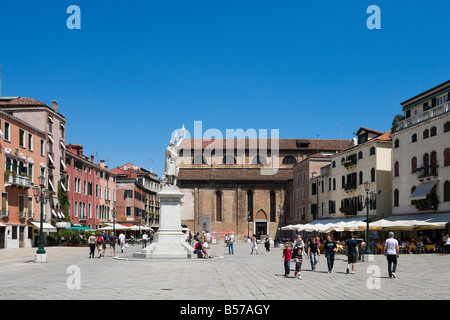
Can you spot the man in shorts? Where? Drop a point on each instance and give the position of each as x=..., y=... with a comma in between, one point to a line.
x=112, y=244
x=352, y=253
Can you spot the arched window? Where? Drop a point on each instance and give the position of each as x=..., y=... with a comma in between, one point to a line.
x=433, y=163
x=414, y=165
x=372, y=151
x=218, y=205
x=8, y=164
x=447, y=191
x=289, y=160
x=250, y=205
x=334, y=184
x=433, y=131
x=343, y=181
x=396, y=197
x=426, y=163
x=447, y=157
x=361, y=181
x=360, y=155
x=426, y=134
x=273, y=201
x=334, y=164
x=414, y=138
x=372, y=175
x=229, y=160
x=447, y=126
x=396, y=143
x=396, y=169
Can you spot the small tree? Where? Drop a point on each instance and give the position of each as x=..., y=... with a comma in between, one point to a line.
x=397, y=119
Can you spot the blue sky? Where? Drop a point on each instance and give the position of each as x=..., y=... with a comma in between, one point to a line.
x=137, y=70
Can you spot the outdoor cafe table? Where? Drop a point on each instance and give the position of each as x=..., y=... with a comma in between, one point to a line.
x=412, y=247
x=430, y=247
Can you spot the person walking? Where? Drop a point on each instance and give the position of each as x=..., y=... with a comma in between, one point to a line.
x=330, y=248
x=122, y=241
x=267, y=244
x=231, y=244
x=112, y=244
x=254, y=244
x=91, y=240
x=392, y=252
x=313, y=251
x=144, y=239
x=287, y=253
x=352, y=252
x=447, y=245
x=105, y=240
x=297, y=254
x=100, y=242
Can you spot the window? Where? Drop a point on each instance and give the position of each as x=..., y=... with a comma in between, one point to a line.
x=414, y=165
x=372, y=151
x=90, y=211
x=30, y=141
x=30, y=206
x=289, y=160
x=331, y=206
x=396, y=169
x=433, y=131
x=250, y=205
x=396, y=197
x=372, y=175
x=273, y=206
x=128, y=211
x=4, y=203
x=360, y=155
x=414, y=138
x=446, y=126
x=22, y=138
x=334, y=184
x=218, y=205
x=426, y=134
x=96, y=211
x=396, y=143
x=343, y=181
x=76, y=209
x=433, y=163
x=7, y=131
x=447, y=157
x=361, y=181
x=42, y=147
x=447, y=191
x=426, y=163
x=334, y=164
x=314, y=188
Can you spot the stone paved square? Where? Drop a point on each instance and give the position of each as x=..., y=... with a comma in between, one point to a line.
x=224, y=277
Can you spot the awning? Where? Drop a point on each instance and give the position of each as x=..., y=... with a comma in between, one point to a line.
x=419, y=221
x=422, y=190
x=46, y=227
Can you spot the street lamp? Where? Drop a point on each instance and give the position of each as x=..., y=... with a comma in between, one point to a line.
x=248, y=224
x=280, y=212
x=114, y=213
x=368, y=203
x=41, y=196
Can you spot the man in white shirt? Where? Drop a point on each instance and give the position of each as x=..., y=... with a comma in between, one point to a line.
x=122, y=241
x=392, y=252
x=144, y=239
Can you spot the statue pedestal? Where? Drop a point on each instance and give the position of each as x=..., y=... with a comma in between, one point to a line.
x=169, y=240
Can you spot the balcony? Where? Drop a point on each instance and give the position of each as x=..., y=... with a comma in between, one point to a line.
x=19, y=181
x=424, y=116
x=4, y=213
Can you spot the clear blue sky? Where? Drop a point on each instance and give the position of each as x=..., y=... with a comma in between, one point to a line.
x=139, y=69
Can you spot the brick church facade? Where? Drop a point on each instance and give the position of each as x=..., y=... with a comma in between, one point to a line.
x=227, y=190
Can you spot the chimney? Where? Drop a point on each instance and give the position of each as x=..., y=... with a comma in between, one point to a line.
x=55, y=106
x=102, y=163
x=92, y=158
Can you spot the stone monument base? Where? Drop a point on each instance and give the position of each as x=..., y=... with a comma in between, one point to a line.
x=40, y=257
x=169, y=241
x=368, y=258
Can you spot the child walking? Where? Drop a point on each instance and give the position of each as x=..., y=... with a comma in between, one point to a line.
x=287, y=253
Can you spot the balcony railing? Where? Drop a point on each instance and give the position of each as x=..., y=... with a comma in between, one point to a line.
x=424, y=116
x=17, y=181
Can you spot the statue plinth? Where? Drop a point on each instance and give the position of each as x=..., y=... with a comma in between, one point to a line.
x=169, y=240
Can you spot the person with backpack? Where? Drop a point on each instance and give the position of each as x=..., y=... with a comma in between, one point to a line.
x=100, y=242
x=286, y=258
x=92, y=239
